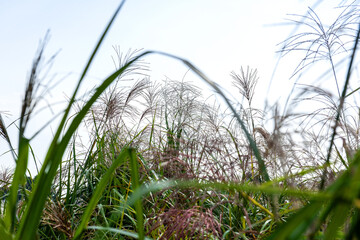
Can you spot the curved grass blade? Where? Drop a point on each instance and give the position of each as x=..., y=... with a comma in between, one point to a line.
x=18, y=179
x=161, y=185
x=340, y=213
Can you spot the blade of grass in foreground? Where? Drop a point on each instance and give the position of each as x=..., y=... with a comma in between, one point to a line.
x=161, y=185
x=299, y=223
x=18, y=179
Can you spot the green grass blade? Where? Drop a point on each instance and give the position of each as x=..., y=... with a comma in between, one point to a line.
x=226, y=186
x=340, y=213
x=152, y=128
x=18, y=179
x=144, y=190
x=136, y=186
x=297, y=225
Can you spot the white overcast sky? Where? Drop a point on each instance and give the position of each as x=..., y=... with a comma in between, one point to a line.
x=217, y=36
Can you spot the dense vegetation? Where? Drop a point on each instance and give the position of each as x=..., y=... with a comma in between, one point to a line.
x=165, y=162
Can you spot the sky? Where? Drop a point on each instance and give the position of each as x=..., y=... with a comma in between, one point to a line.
x=216, y=36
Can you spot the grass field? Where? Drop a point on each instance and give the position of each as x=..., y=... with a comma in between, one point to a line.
x=165, y=162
